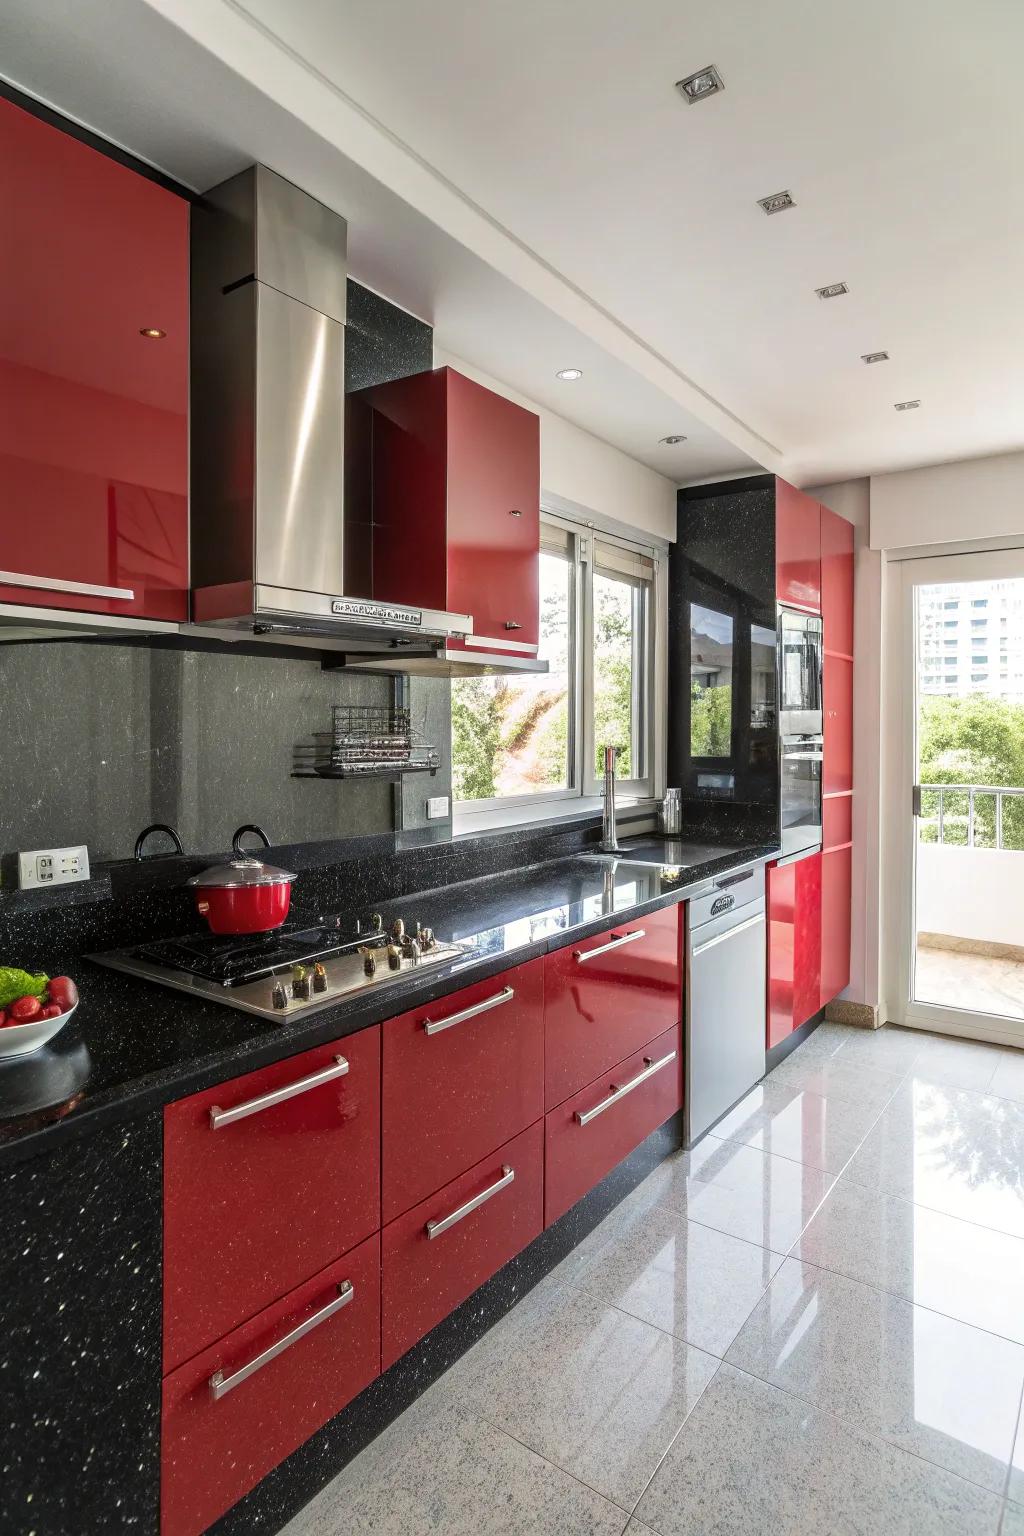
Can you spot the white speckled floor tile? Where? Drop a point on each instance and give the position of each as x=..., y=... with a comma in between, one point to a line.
x=598, y=1393
x=834, y=1078
x=968, y=1272
x=687, y=1279
x=637, y=1528
x=954, y=1151
x=885, y=1050
x=454, y=1475
x=938, y=1388
x=805, y=1127
x=754, y=1461
x=1013, y=1520
x=752, y=1194
x=1015, y=1483
x=1008, y=1078
x=968, y=1064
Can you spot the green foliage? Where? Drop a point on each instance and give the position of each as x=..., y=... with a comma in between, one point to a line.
x=973, y=739
x=476, y=737
x=710, y=721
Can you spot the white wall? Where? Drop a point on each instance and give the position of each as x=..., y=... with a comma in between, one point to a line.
x=971, y=893
x=972, y=499
x=587, y=471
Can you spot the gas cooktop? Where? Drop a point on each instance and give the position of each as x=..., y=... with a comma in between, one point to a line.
x=293, y=969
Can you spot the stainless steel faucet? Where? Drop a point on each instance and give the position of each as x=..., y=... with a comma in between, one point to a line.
x=609, y=839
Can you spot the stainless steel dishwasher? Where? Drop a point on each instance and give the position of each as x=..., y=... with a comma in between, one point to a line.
x=726, y=997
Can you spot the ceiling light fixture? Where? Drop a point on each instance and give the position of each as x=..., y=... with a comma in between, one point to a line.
x=152, y=332
x=698, y=87
x=777, y=203
x=831, y=290
x=673, y=438
x=569, y=374
x=907, y=405
x=874, y=357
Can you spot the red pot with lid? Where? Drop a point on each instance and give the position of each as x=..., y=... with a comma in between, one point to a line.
x=244, y=895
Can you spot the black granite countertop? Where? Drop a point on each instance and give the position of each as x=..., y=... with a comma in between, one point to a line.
x=133, y=1044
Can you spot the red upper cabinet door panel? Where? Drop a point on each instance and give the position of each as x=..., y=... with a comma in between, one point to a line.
x=836, y=583
x=460, y=1076
x=797, y=548
x=456, y=505
x=93, y=415
x=257, y=1204
x=607, y=996
x=493, y=513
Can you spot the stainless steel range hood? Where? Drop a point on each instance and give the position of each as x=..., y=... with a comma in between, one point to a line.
x=269, y=281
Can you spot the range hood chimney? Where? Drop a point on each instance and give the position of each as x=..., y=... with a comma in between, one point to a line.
x=269, y=281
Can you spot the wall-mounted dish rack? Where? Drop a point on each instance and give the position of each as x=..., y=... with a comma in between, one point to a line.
x=366, y=741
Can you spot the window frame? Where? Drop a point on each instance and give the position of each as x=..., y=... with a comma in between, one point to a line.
x=583, y=794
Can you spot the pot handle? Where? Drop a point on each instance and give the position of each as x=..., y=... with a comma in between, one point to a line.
x=157, y=826
x=250, y=826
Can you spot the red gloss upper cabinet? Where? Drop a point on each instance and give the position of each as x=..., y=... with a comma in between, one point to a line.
x=797, y=548
x=93, y=415
x=836, y=583
x=456, y=505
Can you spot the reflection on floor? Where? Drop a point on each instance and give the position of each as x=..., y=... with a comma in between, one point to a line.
x=813, y=1323
x=979, y=983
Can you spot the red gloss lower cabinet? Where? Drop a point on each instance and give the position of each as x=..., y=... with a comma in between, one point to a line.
x=607, y=996
x=256, y=1204
x=438, y=1253
x=836, y=903
x=460, y=1076
x=235, y=1411
x=794, y=945
x=586, y=1136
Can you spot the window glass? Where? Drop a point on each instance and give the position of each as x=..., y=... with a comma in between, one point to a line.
x=511, y=734
x=711, y=654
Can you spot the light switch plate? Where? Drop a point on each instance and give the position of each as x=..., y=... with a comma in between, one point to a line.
x=437, y=806
x=52, y=866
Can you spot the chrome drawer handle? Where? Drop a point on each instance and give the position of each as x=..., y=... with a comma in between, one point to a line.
x=221, y=1385
x=730, y=933
x=615, y=942
x=219, y=1117
x=48, y=584
x=585, y=1116
x=435, y=1026
x=435, y=1228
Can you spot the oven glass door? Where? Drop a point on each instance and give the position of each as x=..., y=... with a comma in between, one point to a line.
x=799, y=674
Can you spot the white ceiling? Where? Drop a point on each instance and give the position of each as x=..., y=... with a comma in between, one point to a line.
x=525, y=176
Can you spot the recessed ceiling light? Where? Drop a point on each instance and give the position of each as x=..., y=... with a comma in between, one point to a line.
x=673, y=437
x=697, y=87
x=907, y=405
x=569, y=373
x=831, y=290
x=152, y=332
x=777, y=202
x=874, y=357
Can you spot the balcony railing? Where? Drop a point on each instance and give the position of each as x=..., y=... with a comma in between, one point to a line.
x=971, y=815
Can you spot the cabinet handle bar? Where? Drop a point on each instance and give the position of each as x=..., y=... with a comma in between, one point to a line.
x=584, y=1117
x=221, y=1385
x=49, y=584
x=581, y=956
x=220, y=1117
x=435, y=1228
x=435, y=1026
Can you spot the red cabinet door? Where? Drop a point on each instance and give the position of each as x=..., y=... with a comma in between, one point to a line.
x=794, y=945
x=837, y=821
x=255, y=1205
x=224, y=1425
x=797, y=548
x=93, y=414
x=493, y=514
x=837, y=698
x=836, y=866
x=836, y=583
x=586, y=1136
x=607, y=996
x=460, y=1077
x=438, y=1253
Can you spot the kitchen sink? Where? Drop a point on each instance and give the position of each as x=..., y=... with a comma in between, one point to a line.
x=666, y=852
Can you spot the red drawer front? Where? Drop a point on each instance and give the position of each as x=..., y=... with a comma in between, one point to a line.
x=255, y=1207
x=424, y=1278
x=838, y=820
x=452, y=1095
x=214, y=1450
x=577, y=1156
x=598, y=1010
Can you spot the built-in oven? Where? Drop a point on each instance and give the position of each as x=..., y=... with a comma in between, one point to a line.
x=801, y=733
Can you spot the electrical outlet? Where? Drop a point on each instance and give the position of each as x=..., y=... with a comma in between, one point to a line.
x=52, y=866
x=437, y=806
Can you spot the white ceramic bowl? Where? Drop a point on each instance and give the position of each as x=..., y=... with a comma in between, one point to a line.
x=20, y=1039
